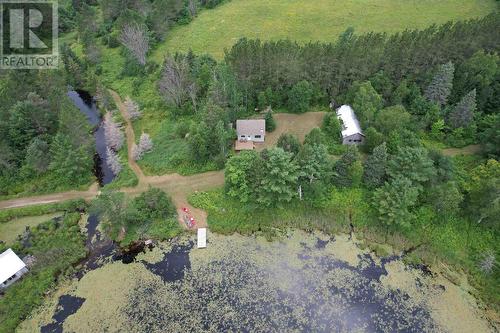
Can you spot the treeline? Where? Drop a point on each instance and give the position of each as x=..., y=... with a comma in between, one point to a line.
x=46, y=142
x=332, y=68
x=442, y=83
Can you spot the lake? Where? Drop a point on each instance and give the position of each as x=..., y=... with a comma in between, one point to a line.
x=301, y=282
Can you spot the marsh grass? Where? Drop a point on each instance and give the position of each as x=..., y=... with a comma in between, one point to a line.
x=15, y=227
x=69, y=205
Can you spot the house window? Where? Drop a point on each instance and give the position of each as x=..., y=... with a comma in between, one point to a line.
x=242, y=136
x=350, y=140
x=258, y=136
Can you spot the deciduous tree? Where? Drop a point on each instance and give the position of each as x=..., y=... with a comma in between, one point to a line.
x=300, y=97
x=242, y=176
x=135, y=38
x=112, y=133
x=366, y=103
x=279, y=178
x=132, y=109
x=175, y=81
x=113, y=161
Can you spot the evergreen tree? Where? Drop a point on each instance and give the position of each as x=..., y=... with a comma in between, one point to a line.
x=490, y=135
x=279, y=178
x=25, y=122
x=300, y=97
x=270, y=123
x=440, y=87
x=332, y=127
x=366, y=103
x=37, y=155
x=346, y=172
x=289, y=143
x=463, y=113
x=412, y=163
x=70, y=165
x=393, y=202
x=376, y=167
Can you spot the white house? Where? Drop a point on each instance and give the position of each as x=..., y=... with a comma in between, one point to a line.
x=11, y=268
x=351, y=130
x=251, y=130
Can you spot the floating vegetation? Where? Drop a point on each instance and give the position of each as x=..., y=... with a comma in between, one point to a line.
x=302, y=282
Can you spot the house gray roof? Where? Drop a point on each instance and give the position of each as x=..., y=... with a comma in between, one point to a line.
x=10, y=264
x=253, y=126
x=350, y=122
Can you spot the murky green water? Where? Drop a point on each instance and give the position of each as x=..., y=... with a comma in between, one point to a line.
x=302, y=283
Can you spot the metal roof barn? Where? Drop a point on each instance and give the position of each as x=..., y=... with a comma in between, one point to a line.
x=10, y=264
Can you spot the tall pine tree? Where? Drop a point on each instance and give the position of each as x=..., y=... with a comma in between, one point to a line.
x=463, y=114
x=440, y=87
x=376, y=167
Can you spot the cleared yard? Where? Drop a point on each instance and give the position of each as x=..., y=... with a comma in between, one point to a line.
x=10, y=230
x=468, y=150
x=297, y=124
x=305, y=20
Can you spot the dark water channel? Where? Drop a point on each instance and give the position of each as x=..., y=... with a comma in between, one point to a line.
x=99, y=249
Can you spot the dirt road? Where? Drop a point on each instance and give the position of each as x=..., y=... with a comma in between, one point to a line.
x=50, y=198
x=177, y=186
x=130, y=135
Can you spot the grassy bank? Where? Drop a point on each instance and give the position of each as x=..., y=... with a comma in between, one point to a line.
x=70, y=205
x=56, y=247
x=10, y=230
x=322, y=20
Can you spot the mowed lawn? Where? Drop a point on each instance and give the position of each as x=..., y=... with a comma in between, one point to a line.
x=311, y=20
x=297, y=124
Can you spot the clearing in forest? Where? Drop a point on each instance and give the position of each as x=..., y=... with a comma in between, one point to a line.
x=304, y=20
x=296, y=124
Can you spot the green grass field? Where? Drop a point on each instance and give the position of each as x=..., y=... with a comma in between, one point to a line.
x=306, y=20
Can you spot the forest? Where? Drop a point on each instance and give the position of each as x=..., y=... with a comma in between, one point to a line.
x=417, y=94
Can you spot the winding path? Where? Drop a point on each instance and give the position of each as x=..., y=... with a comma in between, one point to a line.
x=177, y=186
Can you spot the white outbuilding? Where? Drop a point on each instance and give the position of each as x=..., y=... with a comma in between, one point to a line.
x=11, y=268
x=351, y=130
